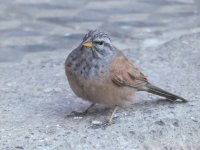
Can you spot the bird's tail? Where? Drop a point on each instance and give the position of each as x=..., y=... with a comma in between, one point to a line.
x=155, y=90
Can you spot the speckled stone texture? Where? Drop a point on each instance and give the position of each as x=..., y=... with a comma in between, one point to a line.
x=159, y=37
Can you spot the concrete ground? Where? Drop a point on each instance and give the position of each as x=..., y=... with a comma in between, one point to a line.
x=160, y=37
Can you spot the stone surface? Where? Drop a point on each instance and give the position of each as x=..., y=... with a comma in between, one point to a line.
x=160, y=37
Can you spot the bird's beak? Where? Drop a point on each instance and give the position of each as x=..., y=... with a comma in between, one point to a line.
x=87, y=44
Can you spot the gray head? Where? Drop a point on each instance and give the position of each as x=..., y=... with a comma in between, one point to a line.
x=93, y=55
x=98, y=42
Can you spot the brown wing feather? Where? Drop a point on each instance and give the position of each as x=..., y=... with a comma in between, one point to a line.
x=123, y=73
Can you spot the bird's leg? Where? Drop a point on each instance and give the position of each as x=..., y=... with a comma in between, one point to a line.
x=83, y=112
x=109, y=122
x=113, y=113
x=87, y=110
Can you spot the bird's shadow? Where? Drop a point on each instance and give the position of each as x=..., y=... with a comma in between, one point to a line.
x=162, y=101
x=105, y=110
x=62, y=108
x=157, y=102
x=95, y=111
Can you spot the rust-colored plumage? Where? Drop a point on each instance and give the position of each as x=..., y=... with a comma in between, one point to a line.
x=123, y=73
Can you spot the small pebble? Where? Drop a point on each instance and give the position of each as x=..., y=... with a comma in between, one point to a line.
x=176, y=124
x=58, y=125
x=77, y=118
x=132, y=132
x=19, y=147
x=194, y=119
x=96, y=122
x=161, y=123
x=125, y=114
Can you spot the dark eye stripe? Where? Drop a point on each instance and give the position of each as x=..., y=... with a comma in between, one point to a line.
x=98, y=42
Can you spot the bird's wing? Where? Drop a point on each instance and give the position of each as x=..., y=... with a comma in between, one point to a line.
x=123, y=73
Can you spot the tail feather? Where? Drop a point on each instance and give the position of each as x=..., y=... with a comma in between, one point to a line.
x=155, y=90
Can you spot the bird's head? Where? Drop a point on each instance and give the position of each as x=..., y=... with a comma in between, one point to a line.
x=98, y=42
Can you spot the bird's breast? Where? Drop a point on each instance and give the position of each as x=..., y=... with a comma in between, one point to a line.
x=90, y=79
x=87, y=67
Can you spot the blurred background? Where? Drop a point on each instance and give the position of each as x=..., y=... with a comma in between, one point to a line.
x=31, y=26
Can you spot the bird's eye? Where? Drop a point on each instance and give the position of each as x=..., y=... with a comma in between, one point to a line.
x=99, y=42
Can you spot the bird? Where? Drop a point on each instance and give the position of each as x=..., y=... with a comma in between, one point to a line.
x=98, y=72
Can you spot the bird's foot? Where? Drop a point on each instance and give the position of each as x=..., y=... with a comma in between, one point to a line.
x=76, y=114
x=80, y=114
